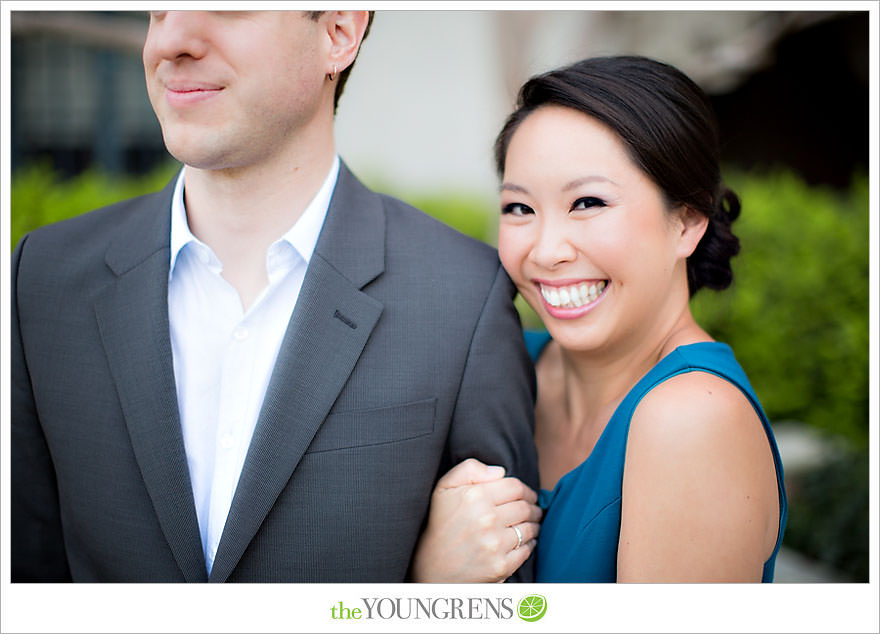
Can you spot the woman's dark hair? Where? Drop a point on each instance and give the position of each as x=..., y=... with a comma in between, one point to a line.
x=669, y=129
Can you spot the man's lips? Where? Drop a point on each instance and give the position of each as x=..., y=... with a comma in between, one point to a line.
x=183, y=94
x=189, y=85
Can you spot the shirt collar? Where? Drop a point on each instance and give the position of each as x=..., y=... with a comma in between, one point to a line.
x=303, y=235
x=180, y=233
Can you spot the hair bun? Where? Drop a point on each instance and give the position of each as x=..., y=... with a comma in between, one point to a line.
x=728, y=203
x=709, y=265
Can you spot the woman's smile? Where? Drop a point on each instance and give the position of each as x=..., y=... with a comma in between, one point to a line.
x=565, y=299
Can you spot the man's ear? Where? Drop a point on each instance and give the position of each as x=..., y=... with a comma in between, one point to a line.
x=691, y=226
x=345, y=30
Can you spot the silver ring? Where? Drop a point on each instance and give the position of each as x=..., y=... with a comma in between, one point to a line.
x=518, y=536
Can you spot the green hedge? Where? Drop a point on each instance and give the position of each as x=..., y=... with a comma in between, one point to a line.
x=39, y=196
x=797, y=313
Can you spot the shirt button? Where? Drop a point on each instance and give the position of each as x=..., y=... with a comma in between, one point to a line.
x=226, y=441
x=240, y=333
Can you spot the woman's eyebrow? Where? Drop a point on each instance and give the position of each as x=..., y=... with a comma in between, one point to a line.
x=586, y=179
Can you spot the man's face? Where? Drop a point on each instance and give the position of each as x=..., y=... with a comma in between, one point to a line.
x=232, y=89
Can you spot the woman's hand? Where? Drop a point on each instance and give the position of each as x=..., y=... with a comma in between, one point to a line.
x=470, y=535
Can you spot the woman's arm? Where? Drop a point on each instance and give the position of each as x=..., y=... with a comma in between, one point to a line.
x=700, y=497
x=470, y=535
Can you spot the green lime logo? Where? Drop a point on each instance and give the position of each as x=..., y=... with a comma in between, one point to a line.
x=532, y=607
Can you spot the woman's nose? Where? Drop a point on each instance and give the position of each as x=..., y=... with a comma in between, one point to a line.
x=553, y=245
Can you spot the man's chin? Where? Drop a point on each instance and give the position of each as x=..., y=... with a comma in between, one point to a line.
x=199, y=157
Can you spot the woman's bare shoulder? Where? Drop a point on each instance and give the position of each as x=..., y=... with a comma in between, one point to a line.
x=699, y=492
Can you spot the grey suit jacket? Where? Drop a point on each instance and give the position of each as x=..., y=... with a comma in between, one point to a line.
x=403, y=356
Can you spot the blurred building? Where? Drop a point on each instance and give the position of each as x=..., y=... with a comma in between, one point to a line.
x=77, y=92
x=431, y=88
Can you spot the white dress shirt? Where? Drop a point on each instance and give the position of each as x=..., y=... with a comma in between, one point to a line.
x=223, y=356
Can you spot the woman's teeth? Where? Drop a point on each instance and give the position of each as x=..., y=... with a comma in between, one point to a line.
x=572, y=296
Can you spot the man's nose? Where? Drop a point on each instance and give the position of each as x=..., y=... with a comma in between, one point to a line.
x=176, y=34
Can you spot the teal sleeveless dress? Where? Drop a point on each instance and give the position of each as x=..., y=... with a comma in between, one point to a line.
x=581, y=527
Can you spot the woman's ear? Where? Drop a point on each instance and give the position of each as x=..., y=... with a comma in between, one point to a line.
x=345, y=30
x=691, y=226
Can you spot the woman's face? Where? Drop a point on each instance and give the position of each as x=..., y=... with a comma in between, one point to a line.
x=587, y=236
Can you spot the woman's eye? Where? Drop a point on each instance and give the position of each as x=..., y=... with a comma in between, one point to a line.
x=516, y=209
x=587, y=202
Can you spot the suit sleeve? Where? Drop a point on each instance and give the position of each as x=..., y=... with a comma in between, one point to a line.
x=494, y=412
x=37, y=545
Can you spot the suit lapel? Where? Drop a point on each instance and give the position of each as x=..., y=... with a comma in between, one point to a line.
x=132, y=318
x=329, y=328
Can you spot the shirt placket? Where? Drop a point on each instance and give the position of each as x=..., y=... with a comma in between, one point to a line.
x=238, y=366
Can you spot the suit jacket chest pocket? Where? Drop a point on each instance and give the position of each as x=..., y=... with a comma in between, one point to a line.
x=376, y=426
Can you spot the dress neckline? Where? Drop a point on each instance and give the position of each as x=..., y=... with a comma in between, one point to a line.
x=545, y=496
